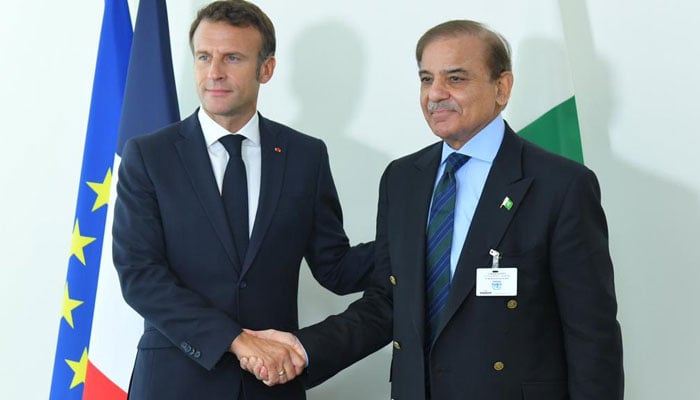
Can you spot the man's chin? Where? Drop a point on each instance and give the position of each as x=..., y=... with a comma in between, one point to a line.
x=216, y=109
x=442, y=131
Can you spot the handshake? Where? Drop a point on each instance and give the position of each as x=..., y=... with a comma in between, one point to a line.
x=274, y=357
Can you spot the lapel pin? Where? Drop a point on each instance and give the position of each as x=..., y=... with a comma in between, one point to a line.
x=507, y=203
x=278, y=150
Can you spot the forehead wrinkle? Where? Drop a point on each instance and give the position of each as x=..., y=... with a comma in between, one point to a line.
x=445, y=71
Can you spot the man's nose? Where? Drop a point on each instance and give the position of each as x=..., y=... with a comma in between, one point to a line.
x=215, y=71
x=438, y=91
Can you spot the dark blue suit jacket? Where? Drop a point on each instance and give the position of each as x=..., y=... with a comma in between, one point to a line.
x=178, y=267
x=557, y=339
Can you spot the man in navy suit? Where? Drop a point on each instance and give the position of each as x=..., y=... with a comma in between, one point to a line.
x=200, y=255
x=494, y=277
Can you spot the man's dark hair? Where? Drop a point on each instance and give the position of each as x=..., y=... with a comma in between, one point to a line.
x=243, y=14
x=498, y=49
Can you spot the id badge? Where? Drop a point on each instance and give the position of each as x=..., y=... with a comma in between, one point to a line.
x=496, y=281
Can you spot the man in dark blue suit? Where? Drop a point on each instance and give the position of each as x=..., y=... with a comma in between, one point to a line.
x=494, y=277
x=209, y=235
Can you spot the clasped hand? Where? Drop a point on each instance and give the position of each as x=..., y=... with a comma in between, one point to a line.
x=274, y=357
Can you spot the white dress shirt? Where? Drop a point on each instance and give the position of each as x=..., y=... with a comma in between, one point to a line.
x=250, y=152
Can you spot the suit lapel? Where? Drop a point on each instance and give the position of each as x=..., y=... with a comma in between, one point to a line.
x=490, y=219
x=273, y=153
x=416, y=196
x=192, y=150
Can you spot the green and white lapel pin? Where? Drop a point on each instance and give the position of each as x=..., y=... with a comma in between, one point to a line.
x=507, y=203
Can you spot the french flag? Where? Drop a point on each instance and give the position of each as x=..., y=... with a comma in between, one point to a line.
x=133, y=94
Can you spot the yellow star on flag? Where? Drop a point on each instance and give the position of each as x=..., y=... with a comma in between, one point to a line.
x=78, y=243
x=68, y=306
x=102, y=189
x=79, y=369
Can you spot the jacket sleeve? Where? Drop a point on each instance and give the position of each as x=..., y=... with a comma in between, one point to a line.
x=582, y=275
x=366, y=325
x=148, y=283
x=335, y=265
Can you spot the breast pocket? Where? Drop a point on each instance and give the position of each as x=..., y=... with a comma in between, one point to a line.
x=531, y=260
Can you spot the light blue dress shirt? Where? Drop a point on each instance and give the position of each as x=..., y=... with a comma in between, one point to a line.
x=482, y=149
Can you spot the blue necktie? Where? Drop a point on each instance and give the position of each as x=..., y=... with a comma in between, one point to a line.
x=439, y=244
x=234, y=192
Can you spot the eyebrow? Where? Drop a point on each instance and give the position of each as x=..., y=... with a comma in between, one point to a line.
x=236, y=54
x=448, y=71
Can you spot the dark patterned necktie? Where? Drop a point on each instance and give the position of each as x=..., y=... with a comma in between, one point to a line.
x=439, y=244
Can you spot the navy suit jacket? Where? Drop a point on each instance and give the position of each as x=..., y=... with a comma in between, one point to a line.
x=178, y=266
x=557, y=339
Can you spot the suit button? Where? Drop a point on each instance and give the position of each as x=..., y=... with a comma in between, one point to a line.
x=183, y=346
x=498, y=366
x=397, y=345
x=196, y=354
x=392, y=279
x=243, y=285
x=512, y=304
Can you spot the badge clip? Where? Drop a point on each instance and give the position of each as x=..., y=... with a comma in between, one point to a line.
x=496, y=256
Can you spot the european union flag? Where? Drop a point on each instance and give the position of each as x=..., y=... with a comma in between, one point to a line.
x=71, y=362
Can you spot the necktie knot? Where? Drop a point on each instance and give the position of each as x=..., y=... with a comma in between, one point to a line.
x=232, y=143
x=455, y=161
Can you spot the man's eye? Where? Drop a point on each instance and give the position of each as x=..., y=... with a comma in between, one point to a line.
x=426, y=79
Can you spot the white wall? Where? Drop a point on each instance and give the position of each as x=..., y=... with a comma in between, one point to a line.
x=346, y=73
x=635, y=72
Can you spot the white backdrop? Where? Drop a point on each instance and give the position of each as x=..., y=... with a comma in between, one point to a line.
x=346, y=73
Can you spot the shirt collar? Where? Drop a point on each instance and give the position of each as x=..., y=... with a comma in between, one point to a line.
x=484, y=145
x=213, y=131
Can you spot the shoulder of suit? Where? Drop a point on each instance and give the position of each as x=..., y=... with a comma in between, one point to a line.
x=166, y=133
x=411, y=158
x=290, y=133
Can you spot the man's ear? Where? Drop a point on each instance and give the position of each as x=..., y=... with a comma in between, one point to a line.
x=267, y=68
x=504, y=84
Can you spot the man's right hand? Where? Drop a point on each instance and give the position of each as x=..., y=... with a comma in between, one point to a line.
x=271, y=361
x=260, y=368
